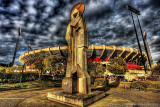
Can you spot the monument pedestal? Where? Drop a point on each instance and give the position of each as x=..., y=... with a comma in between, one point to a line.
x=76, y=85
x=77, y=99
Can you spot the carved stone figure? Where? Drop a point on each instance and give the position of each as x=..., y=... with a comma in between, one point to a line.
x=77, y=78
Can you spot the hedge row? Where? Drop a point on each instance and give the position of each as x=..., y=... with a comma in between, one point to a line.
x=17, y=77
x=101, y=81
x=144, y=85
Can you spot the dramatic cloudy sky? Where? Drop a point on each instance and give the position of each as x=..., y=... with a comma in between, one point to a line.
x=44, y=23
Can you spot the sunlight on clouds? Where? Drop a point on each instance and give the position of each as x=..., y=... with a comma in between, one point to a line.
x=53, y=28
x=30, y=25
x=31, y=10
x=18, y=23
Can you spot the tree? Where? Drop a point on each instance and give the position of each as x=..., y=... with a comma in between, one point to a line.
x=15, y=67
x=2, y=69
x=156, y=69
x=19, y=67
x=100, y=69
x=95, y=69
x=117, y=66
x=53, y=62
x=2, y=73
x=91, y=68
x=10, y=69
x=38, y=61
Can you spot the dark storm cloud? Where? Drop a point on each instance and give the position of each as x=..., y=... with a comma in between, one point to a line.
x=44, y=24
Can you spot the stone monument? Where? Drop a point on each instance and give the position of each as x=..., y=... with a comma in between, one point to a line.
x=77, y=79
x=76, y=86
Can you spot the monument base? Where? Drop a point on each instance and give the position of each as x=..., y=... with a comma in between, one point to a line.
x=75, y=99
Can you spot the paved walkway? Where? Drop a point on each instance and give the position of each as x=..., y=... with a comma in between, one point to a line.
x=108, y=101
x=140, y=98
x=37, y=97
x=40, y=101
x=12, y=98
x=113, y=101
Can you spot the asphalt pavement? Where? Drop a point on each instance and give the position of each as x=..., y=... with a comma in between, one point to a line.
x=12, y=98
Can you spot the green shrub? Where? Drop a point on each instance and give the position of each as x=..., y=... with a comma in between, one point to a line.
x=17, y=86
x=43, y=83
x=15, y=78
x=141, y=77
x=144, y=85
x=2, y=76
x=101, y=81
x=92, y=79
x=21, y=86
x=24, y=85
x=47, y=77
x=19, y=77
x=139, y=85
x=4, y=86
x=46, y=83
x=29, y=77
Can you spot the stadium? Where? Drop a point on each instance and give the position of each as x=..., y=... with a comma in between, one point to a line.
x=98, y=53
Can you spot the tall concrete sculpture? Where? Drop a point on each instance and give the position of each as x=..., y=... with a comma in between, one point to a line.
x=76, y=85
x=77, y=79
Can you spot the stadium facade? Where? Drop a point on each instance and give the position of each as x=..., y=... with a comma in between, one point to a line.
x=99, y=53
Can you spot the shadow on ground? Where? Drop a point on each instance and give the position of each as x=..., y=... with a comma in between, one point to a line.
x=107, y=87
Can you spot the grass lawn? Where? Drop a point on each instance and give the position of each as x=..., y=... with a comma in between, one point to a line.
x=32, y=84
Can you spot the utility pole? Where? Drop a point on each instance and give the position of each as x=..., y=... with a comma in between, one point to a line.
x=16, y=48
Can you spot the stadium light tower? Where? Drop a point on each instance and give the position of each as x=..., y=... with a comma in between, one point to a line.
x=147, y=49
x=145, y=44
x=16, y=47
x=138, y=13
